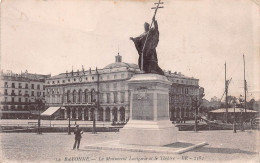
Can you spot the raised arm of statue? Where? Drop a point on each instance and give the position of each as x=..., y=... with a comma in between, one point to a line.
x=155, y=24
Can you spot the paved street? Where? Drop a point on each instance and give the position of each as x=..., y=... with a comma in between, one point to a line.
x=52, y=147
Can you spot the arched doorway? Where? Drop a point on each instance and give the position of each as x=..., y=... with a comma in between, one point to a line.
x=122, y=114
x=114, y=113
x=86, y=114
x=107, y=114
x=91, y=113
x=100, y=114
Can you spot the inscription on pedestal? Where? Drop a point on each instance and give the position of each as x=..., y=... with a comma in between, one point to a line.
x=142, y=108
x=162, y=106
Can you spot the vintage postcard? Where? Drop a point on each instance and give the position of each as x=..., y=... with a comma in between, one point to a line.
x=129, y=80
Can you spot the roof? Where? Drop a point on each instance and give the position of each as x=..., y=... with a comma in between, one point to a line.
x=223, y=110
x=122, y=64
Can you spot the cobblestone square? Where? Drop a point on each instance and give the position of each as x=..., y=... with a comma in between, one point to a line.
x=57, y=147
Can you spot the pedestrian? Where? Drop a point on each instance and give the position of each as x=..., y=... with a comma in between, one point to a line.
x=78, y=132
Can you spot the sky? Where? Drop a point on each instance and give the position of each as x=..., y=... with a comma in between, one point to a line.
x=197, y=37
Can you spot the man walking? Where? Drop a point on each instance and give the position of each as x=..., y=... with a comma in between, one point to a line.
x=77, y=133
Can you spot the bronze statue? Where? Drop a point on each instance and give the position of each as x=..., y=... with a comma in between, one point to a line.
x=146, y=45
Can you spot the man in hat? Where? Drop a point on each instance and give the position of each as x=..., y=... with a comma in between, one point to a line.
x=77, y=133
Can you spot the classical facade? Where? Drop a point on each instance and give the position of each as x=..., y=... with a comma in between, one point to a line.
x=73, y=92
x=18, y=94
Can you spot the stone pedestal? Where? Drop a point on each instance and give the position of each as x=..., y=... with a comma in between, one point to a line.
x=149, y=122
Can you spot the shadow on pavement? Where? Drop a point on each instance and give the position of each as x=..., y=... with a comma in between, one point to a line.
x=179, y=145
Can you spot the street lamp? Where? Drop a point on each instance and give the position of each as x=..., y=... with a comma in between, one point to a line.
x=39, y=103
x=69, y=102
x=93, y=104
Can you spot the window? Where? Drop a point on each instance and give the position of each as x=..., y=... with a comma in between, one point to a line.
x=43, y=94
x=26, y=86
x=6, y=93
x=26, y=99
x=122, y=75
x=20, y=100
x=107, y=85
x=93, y=77
x=13, y=93
x=108, y=97
x=68, y=80
x=122, y=97
x=32, y=86
x=86, y=78
x=115, y=76
x=58, y=82
x=115, y=97
x=53, y=82
x=107, y=76
x=63, y=81
x=12, y=99
x=115, y=85
x=86, y=95
x=26, y=92
x=13, y=85
x=75, y=79
x=48, y=82
x=52, y=91
x=5, y=99
x=80, y=96
x=74, y=96
x=6, y=84
x=32, y=93
x=20, y=93
x=20, y=85
x=38, y=86
x=101, y=98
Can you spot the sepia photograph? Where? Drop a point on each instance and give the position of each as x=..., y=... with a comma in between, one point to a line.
x=129, y=81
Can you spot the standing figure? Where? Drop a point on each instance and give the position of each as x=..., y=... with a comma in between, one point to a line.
x=146, y=43
x=77, y=133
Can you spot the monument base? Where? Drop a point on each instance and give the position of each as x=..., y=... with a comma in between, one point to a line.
x=157, y=133
x=149, y=122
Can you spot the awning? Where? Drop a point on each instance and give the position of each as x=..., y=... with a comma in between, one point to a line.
x=231, y=110
x=50, y=111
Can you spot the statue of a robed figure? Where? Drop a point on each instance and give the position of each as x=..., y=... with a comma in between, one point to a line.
x=146, y=45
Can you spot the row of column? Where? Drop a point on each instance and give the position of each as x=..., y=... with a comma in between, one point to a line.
x=119, y=115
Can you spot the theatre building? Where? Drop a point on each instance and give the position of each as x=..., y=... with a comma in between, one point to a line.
x=71, y=93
